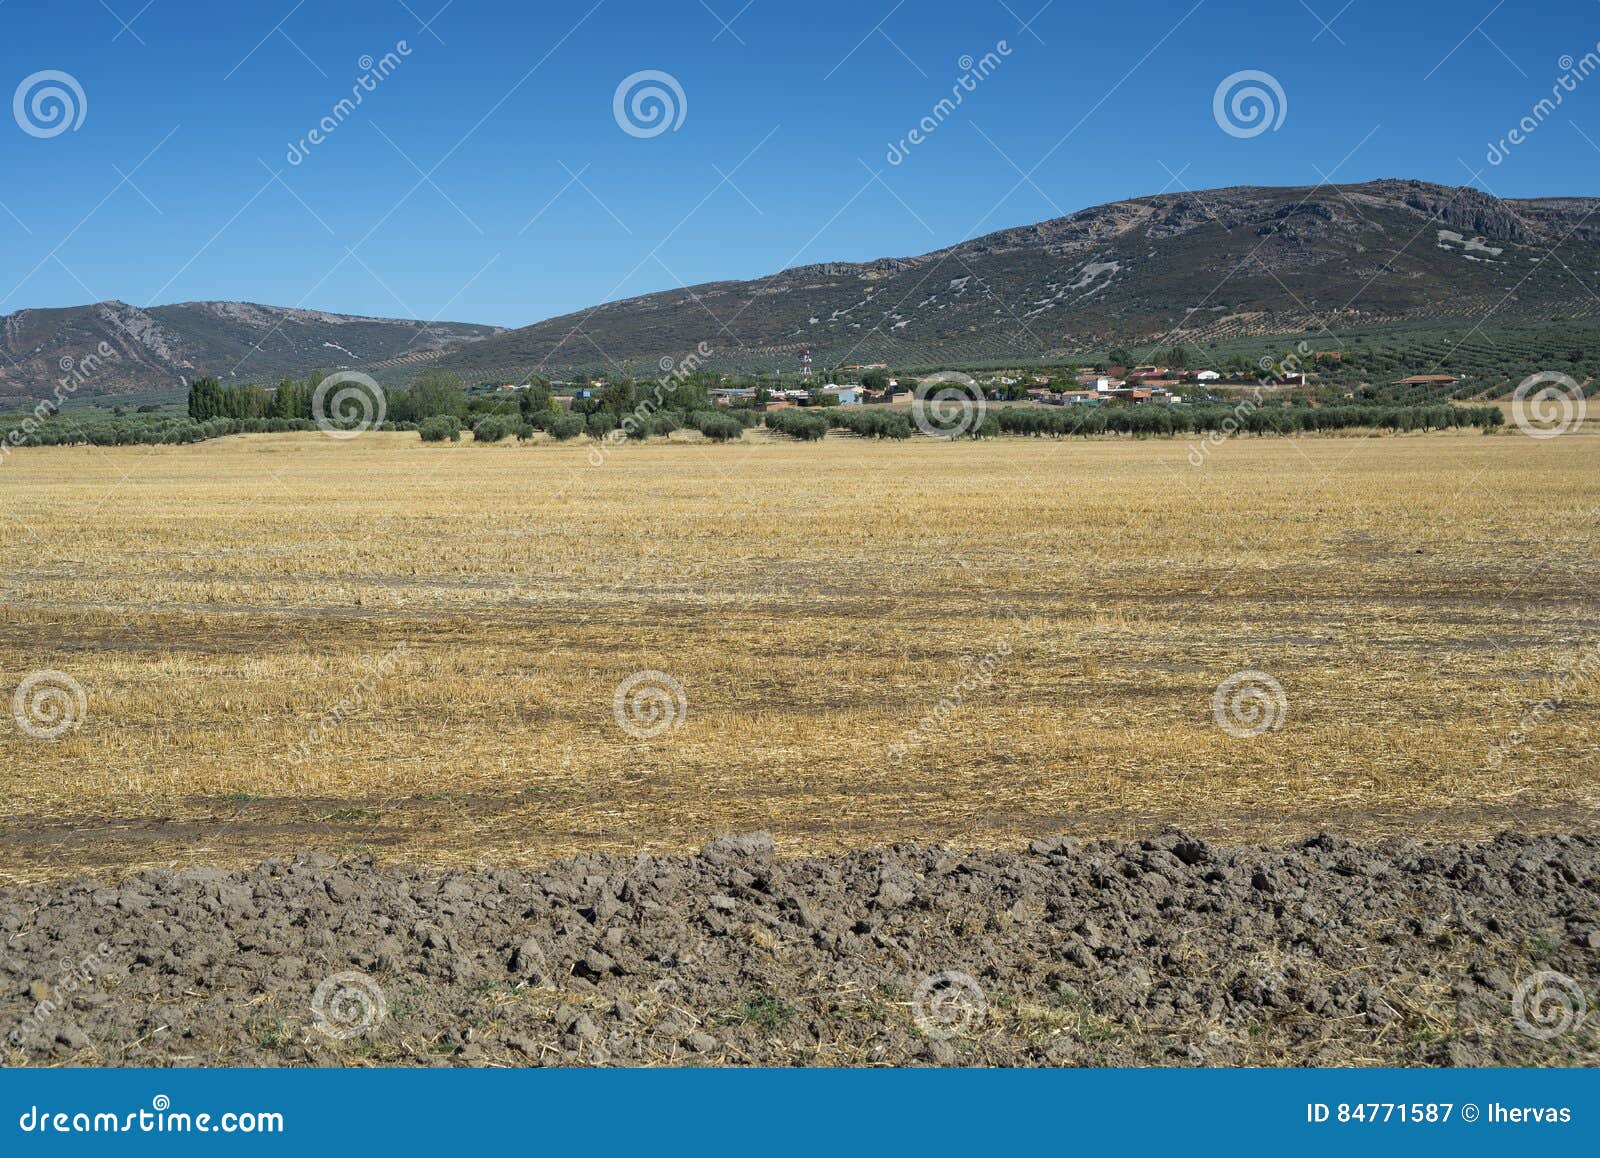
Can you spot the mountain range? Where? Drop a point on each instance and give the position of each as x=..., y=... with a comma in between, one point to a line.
x=112, y=347
x=1183, y=266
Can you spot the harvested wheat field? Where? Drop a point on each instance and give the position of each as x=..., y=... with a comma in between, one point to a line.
x=432, y=653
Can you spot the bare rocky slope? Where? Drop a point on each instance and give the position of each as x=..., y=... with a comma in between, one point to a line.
x=1165, y=951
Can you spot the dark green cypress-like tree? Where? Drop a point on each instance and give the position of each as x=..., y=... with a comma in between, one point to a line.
x=206, y=399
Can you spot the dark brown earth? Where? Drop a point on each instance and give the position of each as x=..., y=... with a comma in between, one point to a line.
x=1167, y=951
x=516, y=827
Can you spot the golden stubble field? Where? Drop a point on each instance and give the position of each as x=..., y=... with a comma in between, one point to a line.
x=964, y=642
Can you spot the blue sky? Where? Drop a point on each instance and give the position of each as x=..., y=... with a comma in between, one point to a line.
x=486, y=177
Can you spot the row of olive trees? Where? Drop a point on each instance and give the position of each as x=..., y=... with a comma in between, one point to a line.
x=71, y=429
x=1244, y=418
x=1146, y=421
x=868, y=422
x=717, y=425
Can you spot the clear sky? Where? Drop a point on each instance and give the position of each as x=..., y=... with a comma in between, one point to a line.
x=486, y=177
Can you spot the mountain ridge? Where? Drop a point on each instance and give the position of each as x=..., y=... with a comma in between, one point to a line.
x=111, y=347
x=1185, y=266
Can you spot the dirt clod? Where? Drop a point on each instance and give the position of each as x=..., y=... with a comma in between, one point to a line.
x=1168, y=951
